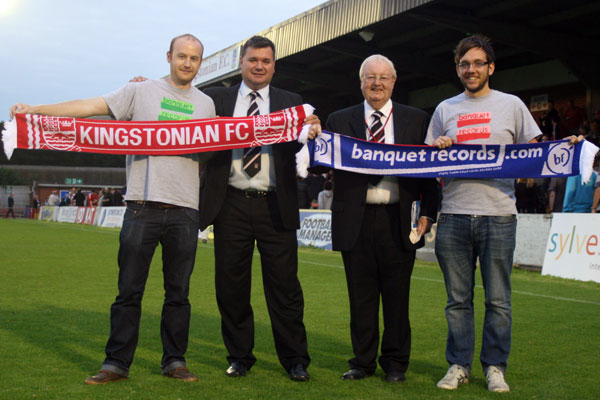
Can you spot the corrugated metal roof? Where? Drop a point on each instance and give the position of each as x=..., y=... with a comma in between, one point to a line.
x=331, y=20
x=325, y=22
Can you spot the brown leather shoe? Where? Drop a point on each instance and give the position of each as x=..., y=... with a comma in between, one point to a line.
x=103, y=377
x=182, y=373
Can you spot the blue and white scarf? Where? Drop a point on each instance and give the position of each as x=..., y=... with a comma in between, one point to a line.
x=531, y=160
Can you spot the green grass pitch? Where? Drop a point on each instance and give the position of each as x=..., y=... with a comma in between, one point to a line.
x=57, y=282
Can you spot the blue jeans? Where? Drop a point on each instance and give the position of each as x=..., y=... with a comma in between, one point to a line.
x=460, y=241
x=144, y=227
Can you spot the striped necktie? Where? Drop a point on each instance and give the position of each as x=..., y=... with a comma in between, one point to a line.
x=251, y=158
x=377, y=134
x=376, y=128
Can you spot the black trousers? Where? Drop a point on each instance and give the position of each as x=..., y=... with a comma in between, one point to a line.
x=242, y=221
x=377, y=268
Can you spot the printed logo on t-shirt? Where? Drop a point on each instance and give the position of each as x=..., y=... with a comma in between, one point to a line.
x=473, y=126
x=177, y=106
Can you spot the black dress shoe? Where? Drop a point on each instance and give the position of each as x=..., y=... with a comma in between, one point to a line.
x=299, y=373
x=355, y=374
x=395, y=376
x=236, y=369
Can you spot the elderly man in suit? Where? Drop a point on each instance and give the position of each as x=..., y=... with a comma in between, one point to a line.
x=249, y=195
x=371, y=223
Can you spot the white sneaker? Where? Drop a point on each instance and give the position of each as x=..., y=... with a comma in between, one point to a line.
x=495, y=380
x=455, y=377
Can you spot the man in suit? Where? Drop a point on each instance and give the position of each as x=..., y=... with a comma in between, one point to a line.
x=371, y=223
x=249, y=196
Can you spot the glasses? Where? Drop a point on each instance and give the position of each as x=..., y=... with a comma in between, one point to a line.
x=382, y=78
x=476, y=64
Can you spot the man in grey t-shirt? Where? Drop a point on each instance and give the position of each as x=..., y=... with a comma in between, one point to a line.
x=162, y=207
x=478, y=216
x=477, y=219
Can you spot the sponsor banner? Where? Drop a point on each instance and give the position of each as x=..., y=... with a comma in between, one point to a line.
x=111, y=217
x=80, y=216
x=315, y=229
x=90, y=212
x=48, y=213
x=573, y=249
x=67, y=214
x=532, y=234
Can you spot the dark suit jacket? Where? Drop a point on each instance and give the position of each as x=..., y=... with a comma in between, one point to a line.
x=350, y=189
x=215, y=173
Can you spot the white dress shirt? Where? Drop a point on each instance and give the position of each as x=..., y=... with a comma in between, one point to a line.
x=265, y=178
x=386, y=191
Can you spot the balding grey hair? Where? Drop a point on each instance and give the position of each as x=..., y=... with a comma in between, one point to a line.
x=376, y=57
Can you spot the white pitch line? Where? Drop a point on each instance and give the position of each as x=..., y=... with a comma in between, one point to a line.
x=422, y=279
x=478, y=286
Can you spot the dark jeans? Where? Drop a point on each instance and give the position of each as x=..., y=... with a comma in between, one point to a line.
x=460, y=241
x=176, y=229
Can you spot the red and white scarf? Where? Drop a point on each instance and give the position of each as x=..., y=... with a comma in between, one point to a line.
x=29, y=131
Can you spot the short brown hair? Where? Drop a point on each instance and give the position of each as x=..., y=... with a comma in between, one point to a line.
x=478, y=41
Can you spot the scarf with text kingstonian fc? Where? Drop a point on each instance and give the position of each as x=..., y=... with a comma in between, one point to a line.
x=28, y=131
x=531, y=160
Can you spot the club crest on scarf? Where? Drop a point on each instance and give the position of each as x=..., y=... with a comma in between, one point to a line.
x=59, y=133
x=559, y=159
x=271, y=128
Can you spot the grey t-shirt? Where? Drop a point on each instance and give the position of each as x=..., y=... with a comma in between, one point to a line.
x=166, y=179
x=497, y=118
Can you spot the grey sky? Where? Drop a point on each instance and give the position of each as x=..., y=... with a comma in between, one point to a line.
x=58, y=50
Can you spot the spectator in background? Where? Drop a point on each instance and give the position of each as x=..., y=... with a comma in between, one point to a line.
x=304, y=198
x=92, y=198
x=556, y=194
x=556, y=132
x=79, y=198
x=546, y=120
x=579, y=198
x=315, y=185
x=36, y=202
x=106, y=200
x=574, y=116
x=117, y=198
x=11, y=204
x=526, y=192
x=593, y=135
x=326, y=196
x=596, y=200
x=53, y=199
